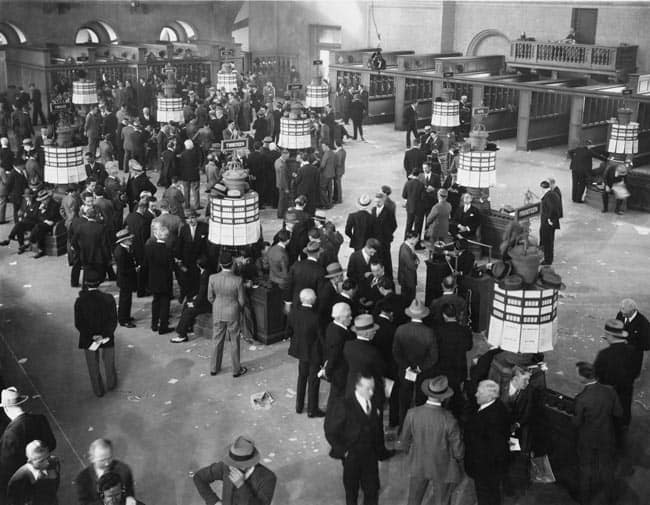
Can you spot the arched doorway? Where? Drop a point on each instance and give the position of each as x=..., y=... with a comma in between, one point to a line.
x=96, y=32
x=488, y=42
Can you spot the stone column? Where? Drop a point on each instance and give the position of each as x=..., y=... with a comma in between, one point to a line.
x=575, y=121
x=523, y=121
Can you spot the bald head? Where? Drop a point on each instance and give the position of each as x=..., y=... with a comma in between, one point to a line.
x=307, y=296
x=628, y=307
x=341, y=310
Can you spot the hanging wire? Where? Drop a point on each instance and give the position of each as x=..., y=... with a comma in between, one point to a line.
x=374, y=22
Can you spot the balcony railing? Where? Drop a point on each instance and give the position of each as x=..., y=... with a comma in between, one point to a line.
x=562, y=56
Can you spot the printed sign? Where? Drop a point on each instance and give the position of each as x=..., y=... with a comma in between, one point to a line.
x=294, y=87
x=230, y=145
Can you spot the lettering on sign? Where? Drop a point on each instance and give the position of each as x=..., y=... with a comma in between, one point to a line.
x=294, y=87
x=447, y=74
x=229, y=145
x=627, y=91
x=225, y=53
x=528, y=211
x=480, y=110
x=317, y=62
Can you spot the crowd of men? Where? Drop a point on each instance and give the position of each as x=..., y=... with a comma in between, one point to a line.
x=380, y=348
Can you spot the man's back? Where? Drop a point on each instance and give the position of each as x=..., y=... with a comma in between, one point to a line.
x=226, y=293
x=596, y=407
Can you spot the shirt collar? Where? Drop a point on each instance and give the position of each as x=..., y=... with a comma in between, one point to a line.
x=249, y=472
x=486, y=405
x=431, y=401
x=631, y=318
x=339, y=324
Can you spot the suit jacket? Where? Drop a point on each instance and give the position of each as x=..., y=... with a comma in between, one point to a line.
x=383, y=341
x=226, y=294
x=360, y=226
x=137, y=225
x=169, y=164
x=278, y=260
x=92, y=126
x=581, y=162
x=471, y=218
x=486, y=442
x=136, y=185
x=349, y=430
x=407, y=267
x=457, y=301
x=410, y=118
x=639, y=337
x=176, y=200
x=258, y=489
x=615, y=365
x=415, y=345
x=17, y=435
x=454, y=341
x=339, y=165
x=188, y=165
x=438, y=220
x=25, y=488
x=328, y=164
x=336, y=367
x=307, y=183
x=436, y=446
x=430, y=193
x=127, y=278
x=303, y=274
x=95, y=313
x=160, y=260
x=282, y=178
x=16, y=183
x=363, y=356
x=91, y=243
x=358, y=267
x=86, y=483
x=597, y=409
x=385, y=225
x=414, y=158
x=303, y=334
x=551, y=209
x=413, y=194
x=107, y=212
x=134, y=140
x=327, y=297
x=357, y=108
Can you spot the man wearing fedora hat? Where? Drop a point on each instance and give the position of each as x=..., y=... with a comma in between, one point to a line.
x=26, y=219
x=47, y=217
x=361, y=355
x=306, y=346
x=138, y=182
x=551, y=210
x=127, y=277
x=615, y=366
x=95, y=316
x=21, y=430
x=278, y=260
x=307, y=273
x=415, y=349
x=597, y=419
x=360, y=225
x=328, y=292
x=245, y=480
x=432, y=436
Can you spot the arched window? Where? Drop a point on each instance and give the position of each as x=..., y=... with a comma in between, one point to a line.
x=86, y=36
x=21, y=36
x=189, y=31
x=11, y=34
x=3, y=40
x=168, y=34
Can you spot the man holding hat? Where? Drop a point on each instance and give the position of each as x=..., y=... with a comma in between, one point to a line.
x=415, y=349
x=306, y=346
x=21, y=430
x=127, y=277
x=226, y=294
x=615, y=366
x=597, y=419
x=432, y=436
x=360, y=225
x=245, y=480
x=95, y=316
x=549, y=221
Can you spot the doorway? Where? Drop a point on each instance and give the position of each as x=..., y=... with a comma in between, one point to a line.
x=584, y=22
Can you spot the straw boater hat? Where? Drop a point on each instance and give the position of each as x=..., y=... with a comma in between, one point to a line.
x=319, y=215
x=11, y=397
x=312, y=248
x=363, y=323
x=417, y=310
x=614, y=328
x=333, y=270
x=134, y=165
x=437, y=388
x=123, y=235
x=43, y=194
x=364, y=200
x=241, y=454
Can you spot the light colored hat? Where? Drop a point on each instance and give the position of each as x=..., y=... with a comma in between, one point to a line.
x=123, y=235
x=364, y=322
x=364, y=200
x=241, y=454
x=437, y=388
x=417, y=310
x=11, y=397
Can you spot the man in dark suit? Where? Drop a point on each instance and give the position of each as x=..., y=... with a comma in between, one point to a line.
x=95, y=316
x=359, y=261
x=160, y=263
x=486, y=443
x=127, y=277
x=188, y=173
x=385, y=225
x=16, y=186
x=306, y=346
x=133, y=143
x=638, y=329
x=384, y=342
x=87, y=482
x=597, y=417
x=306, y=182
x=414, y=158
x=354, y=430
x=349, y=295
x=580, y=168
x=93, y=128
x=328, y=293
x=90, y=241
x=466, y=220
x=362, y=356
x=360, y=225
x=191, y=246
x=615, y=366
x=432, y=184
x=138, y=226
x=226, y=294
x=245, y=480
x=549, y=221
x=449, y=297
x=37, y=105
x=21, y=430
x=357, y=110
x=411, y=122
x=413, y=193
x=335, y=369
x=168, y=167
x=415, y=349
x=48, y=215
x=196, y=305
x=136, y=184
x=307, y=273
x=407, y=266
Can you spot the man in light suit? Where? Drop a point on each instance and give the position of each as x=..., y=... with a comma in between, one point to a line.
x=436, y=446
x=407, y=267
x=278, y=259
x=226, y=294
x=92, y=129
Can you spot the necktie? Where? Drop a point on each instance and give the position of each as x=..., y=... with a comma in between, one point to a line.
x=367, y=408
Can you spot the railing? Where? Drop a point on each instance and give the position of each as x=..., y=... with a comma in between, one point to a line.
x=418, y=89
x=579, y=56
x=598, y=110
x=500, y=99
